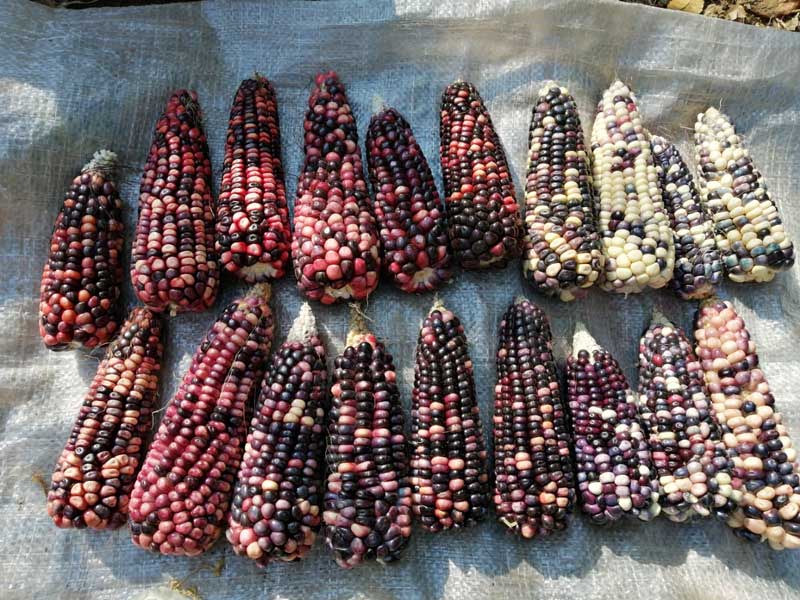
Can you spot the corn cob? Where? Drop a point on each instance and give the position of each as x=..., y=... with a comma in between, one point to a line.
x=750, y=234
x=174, y=267
x=81, y=278
x=534, y=481
x=252, y=231
x=614, y=467
x=698, y=266
x=94, y=475
x=412, y=229
x=689, y=457
x=449, y=477
x=368, y=499
x=765, y=470
x=181, y=497
x=483, y=217
x=634, y=227
x=276, y=504
x=335, y=249
x=563, y=254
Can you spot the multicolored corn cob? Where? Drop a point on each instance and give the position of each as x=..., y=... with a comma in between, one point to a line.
x=449, y=477
x=81, y=278
x=174, y=267
x=412, y=229
x=181, y=498
x=277, y=501
x=690, y=459
x=534, y=482
x=94, y=475
x=637, y=239
x=368, y=498
x=563, y=254
x=750, y=234
x=612, y=458
x=335, y=249
x=698, y=266
x=765, y=468
x=485, y=226
x=252, y=231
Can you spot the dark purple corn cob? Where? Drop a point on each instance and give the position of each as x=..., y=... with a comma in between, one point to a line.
x=612, y=459
x=252, y=232
x=335, y=249
x=180, y=501
x=689, y=457
x=277, y=501
x=698, y=266
x=766, y=475
x=449, y=477
x=94, y=475
x=368, y=498
x=534, y=482
x=412, y=229
x=483, y=217
x=81, y=278
x=563, y=252
x=173, y=267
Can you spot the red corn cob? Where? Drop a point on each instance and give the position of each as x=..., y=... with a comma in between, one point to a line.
x=253, y=234
x=181, y=497
x=80, y=282
x=278, y=496
x=173, y=266
x=407, y=206
x=367, y=500
x=483, y=216
x=335, y=249
x=534, y=483
x=94, y=475
x=449, y=477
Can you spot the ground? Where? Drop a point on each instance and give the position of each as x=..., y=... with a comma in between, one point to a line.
x=780, y=14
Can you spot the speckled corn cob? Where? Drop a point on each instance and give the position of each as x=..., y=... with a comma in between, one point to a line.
x=335, y=249
x=563, y=254
x=750, y=234
x=637, y=239
x=173, y=267
x=690, y=459
x=94, y=475
x=412, y=228
x=81, y=278
x=252, y=231
x=368, y=498
x=534, y=481
x=765, y=469
x=483, y=217
x=276, y=508
x=181, y=498
x=449, y=477
x=612, y=458
x=698, y=266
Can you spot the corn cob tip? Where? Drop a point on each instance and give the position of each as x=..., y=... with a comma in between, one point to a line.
x=304, y=327
x=103, y=161
x=520, y=300
x=549, y=85
x=358, y=325
x=658, y=318
x=583, y=340
x=437, y=304
x=262, y=290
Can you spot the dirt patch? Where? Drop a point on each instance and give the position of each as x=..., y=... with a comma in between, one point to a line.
x=780, y=14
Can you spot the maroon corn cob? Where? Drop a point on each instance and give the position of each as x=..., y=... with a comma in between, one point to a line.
x=173, y=266
x=412, y=229
x=534, y=482
x=252, y=233
x=614, y=467
x=335, y=248
x=181, y=497
x=766, y=473
x=92, y=482
x=367, y=499
x=81, y=278
x=449, y=477
x=276, y=504
x=483, y=216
